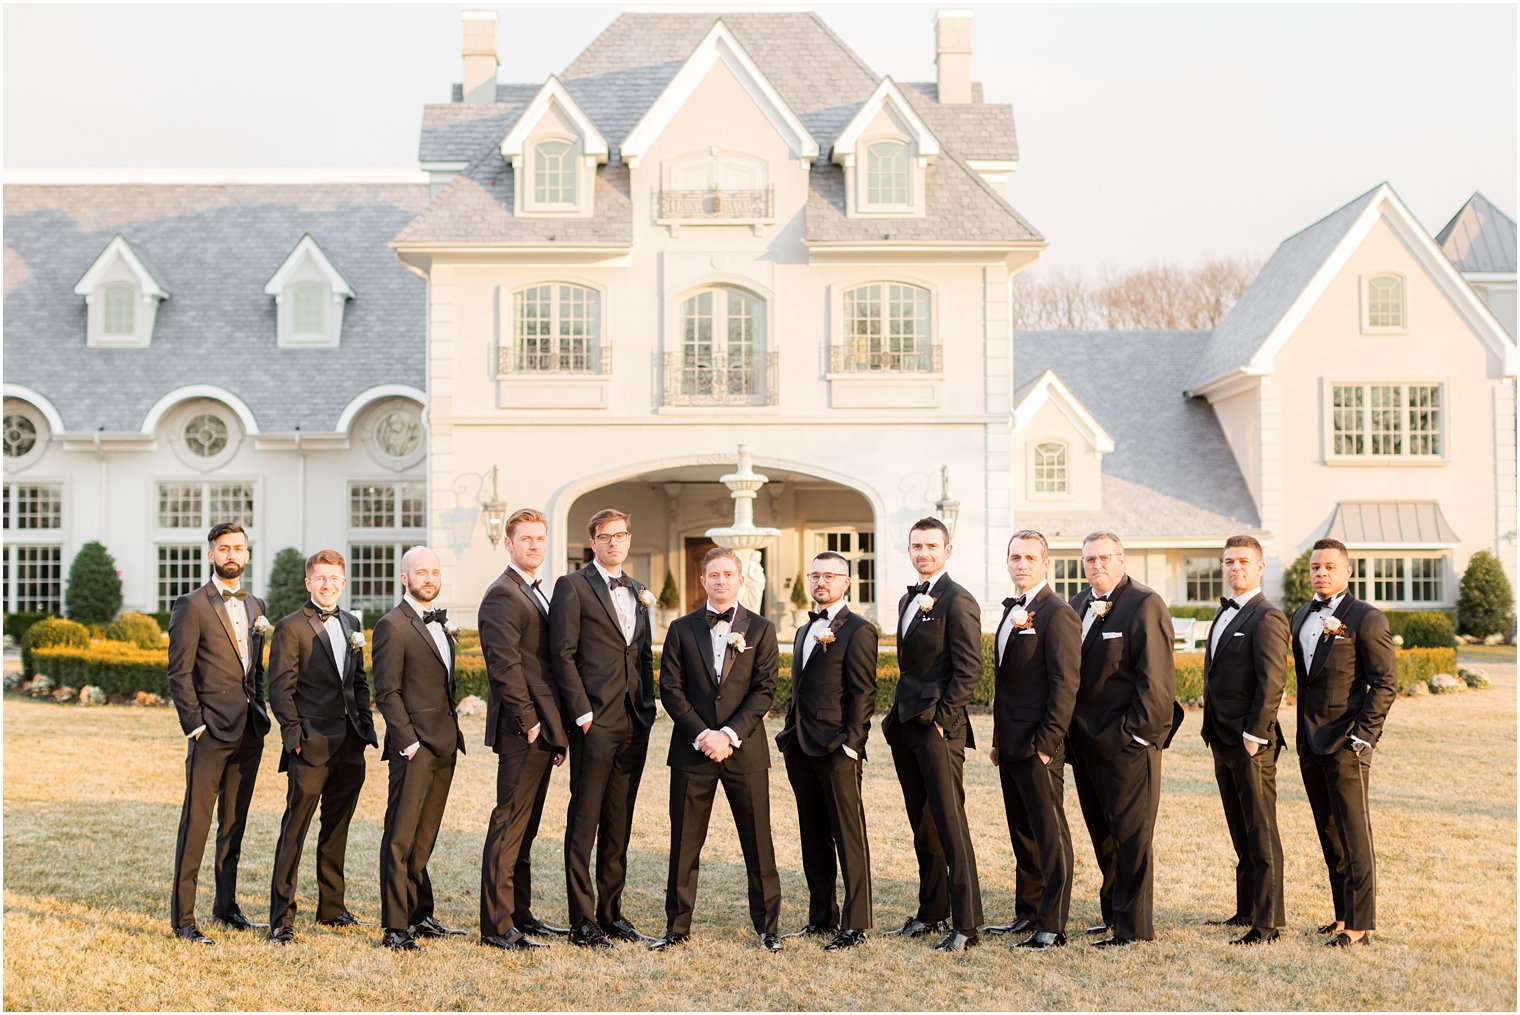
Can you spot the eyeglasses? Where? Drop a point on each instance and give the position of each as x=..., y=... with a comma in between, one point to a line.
x=606, y=538
x=1102, y=558
x=819, y=576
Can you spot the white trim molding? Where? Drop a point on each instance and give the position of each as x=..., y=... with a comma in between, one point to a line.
x=190, y=391
x=39, y=401
x=375, y=394
x=1049, y=388
x=553, y=94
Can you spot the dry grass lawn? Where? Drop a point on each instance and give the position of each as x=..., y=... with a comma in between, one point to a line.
x=91, y=800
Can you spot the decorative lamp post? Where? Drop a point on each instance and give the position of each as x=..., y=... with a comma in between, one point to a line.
x=945, y=509
x=495, y=512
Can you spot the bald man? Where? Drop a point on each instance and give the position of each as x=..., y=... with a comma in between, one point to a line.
x=413, y=665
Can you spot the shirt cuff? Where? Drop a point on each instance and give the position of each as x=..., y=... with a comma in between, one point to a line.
x=412, y=749
x=1358, y=740
x=733, y=737
x=849, y=753
x=583, y=720
x=696, y=744
x=1140, y=741
x=1256, y=740
x=199, y=729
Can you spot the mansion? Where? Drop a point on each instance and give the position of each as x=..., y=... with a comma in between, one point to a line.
x=710, y=230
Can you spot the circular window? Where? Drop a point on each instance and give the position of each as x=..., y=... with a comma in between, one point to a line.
x=206, y=435
x=20, y=435
x=397, y=433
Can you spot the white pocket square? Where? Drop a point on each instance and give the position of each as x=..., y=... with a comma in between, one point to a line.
x=1027, y=630
x=1240, y=634
x=1110, y=635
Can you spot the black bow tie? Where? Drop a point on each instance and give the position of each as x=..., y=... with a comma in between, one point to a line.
x=1315, y=605
x=240, y=594
x=323, y=616
x=814, y=618
x=921, y=589
x=1227, y=604
x=536, y=585
x=441, y=616
x=622, y=579
x=1098, y=599
x=1013, y=601
x=713, y=618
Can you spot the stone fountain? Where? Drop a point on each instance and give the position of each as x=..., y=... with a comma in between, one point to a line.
x=744, y=537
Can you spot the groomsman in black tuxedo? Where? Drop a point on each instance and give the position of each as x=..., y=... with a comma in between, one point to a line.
x=939, y=639
x=601, y=649
x=1244, y=672
x=318, y=694
x=216, y=680
x=824, y=744
x=717, y=680
x=413, y=661
x=1038, y=650
x=1347, y=679
x=1125, y=714
x=526, y=729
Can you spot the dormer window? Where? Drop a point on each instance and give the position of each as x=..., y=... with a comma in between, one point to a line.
x=887, y=174
x=121, y=293
x=1050, y=468
x=309, y=310
x=1383, y=303
x=886, y=151
x=553, y=173
x=553, y=150
x=119, y=312
x=310, y=295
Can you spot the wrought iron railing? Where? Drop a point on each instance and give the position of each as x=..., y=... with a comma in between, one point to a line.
x=566, y=360
x=865, y=359
x=716, y=203
x=711, y=378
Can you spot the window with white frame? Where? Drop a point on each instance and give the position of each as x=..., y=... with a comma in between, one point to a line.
x=859, y=550
x=196, y=505
x=1066, y=577
x=33, y=554
x=887, y=329
x=374, y=584
x=387, y=505
x=31, y=507
x=1204, y=577
x=385, y=519
x=1050, y=468
x=722, y=343
x=553, y=173
x=557, y=327
x=1384, y=303
x=887, y=174
x=20, y=435
x=1395, y=579
x=181, y=570
x=118, y=315
x=1382, y=421
x=308, y=310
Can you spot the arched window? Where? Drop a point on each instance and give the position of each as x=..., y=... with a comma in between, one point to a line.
x=887, y=173
x=119, y=317
x=722, y=356
x=553, y=173
x=1385, y=301
x=1050, y=468
x=557, y=326
x=309, y=308
x=887, y=328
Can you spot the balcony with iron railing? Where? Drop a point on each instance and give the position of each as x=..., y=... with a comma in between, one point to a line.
x=711, y=378
x=537, y=359
x=715, y=205
x=927, y=358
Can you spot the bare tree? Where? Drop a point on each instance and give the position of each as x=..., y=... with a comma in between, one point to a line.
x=1161, y=297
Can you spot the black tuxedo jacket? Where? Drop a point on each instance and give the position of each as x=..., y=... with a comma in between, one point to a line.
x=834, y=695
x=1243, y=679
x=313, y=702
x=207, y=679
x=593, y=668
x=1129, y=680
x=1037, y=680
x=696, y=699
x=514, y=635
x=1349, y=684
x=414, y=685
x=940, y=658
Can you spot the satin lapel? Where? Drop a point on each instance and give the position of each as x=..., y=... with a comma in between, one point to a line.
x=593, y=578
x=427, y=637
x=703, y=634
x=834, y=626
x=998, y=662
x=527, y=592
x=320, y=640
x=729, y=655
x=1236, y=623
x=1097, y=624
x=797, y=664
x=348, y=624
x=215, y=599
x=1322, y=648
x=918, y=615
x=640, y=614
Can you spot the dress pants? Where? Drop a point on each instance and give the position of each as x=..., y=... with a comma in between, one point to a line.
x=1034, y=797
x=506, y=869
x=219, y=775
x=606, y=764
x=1248, y=790
x=1104, y=850
x=1337, y=788
x=929, y=769
x=691, y=800
x=335, y=786
x=1128, y=790
x=832, y=823
x=415, y=798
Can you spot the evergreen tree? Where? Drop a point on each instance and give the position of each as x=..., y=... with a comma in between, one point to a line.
x=287, y=584
x=1297, y=588
x=1486, y=602
x=94, y=593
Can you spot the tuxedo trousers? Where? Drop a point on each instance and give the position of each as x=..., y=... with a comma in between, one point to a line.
x=1336, y=785
x=415, y=797
x=1128, y=790
x=1248, y=790
x=335, y=787
x=1104, y=850
x=930, y=770
x=219, y=777
x=831, y=820
x=1034, y=799
x=691, y=800
x=606, y=765
x=506, y=868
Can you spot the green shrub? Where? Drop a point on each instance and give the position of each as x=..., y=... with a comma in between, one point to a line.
x=114, y=667
x=1297, y=588
x=286, y=589
x=47, y=633
x=94, y=589
x=1486, y=602
x=1415, y=665
x=17, y=624
x=162, y=619
x=138, y=628
x=1189, y=667
x=670, y=596
x=1193, y=612
x=1422, y=628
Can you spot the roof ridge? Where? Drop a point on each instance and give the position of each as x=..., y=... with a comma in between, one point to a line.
x=859, y=62
x=1329, y=215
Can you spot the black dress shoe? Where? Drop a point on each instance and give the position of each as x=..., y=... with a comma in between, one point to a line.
x=513, y=940
x=958, y=941
x=1256, y=937
x=237, y=921
x=813, y=929
x=589, y=935
x=845, y=939
x=533, y=925
x=400, y=941
x=1328, y=928
x=190, y=932
x=1115, y=942
x=1232, y=921
x=343, y=919
x=430, y=927
x=282, y=936
x=1018, y=926
x=770, y=942
x=914, y=927
x=667, y=942
x=1344, y=940
x=621, y=930
x=1041, y=940
x=1098, y=928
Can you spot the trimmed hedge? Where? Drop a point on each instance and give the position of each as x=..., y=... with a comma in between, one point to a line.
x=138, y=628
x=1415, y=665
x=17, y=624
x=1193, y=612
x=1423, y=628
x=115, y=667
x=49, y=632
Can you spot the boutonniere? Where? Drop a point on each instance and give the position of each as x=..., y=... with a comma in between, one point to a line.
x=648, y=599
x=356, y=640
x=261, y=624
x=825, y=638
x=925, y=602
x=450, y=628
x=736, y=640
x=1334, y=627
x=1021, y=618
x=1100, y=608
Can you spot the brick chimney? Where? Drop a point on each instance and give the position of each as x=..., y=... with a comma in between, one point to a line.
x=480, y=61
x=952, y=54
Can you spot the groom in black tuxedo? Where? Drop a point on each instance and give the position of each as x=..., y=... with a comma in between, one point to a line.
x=318, y=694
x=939, y=651
x=216, y=681
x=823, y=742
x=717, y=680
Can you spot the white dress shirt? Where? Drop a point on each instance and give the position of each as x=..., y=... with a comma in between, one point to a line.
x=1310, y=634
x=1226, y=616
x=439, y=638
x=237, y=616
x=719, y=634
x=1005, y=629
x=810, y=641
x=528, y=580
x=339, y=640
x=622, y=601
x=910, y=609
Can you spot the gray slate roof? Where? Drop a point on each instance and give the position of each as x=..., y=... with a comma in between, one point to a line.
x=1479, y=238
x=1171, y=472
x=214, y=247
x=1245, y=328
x=456, y=132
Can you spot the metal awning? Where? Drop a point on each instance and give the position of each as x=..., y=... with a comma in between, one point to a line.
x=1391, y=523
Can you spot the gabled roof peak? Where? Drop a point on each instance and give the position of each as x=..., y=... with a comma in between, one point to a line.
x=120, y=248
x=887, y=93
x=553, y=94
x=307, y=250
x=1048, y=388
x=1480, y=239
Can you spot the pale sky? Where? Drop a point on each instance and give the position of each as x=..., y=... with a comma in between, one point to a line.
x=1147, y=133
